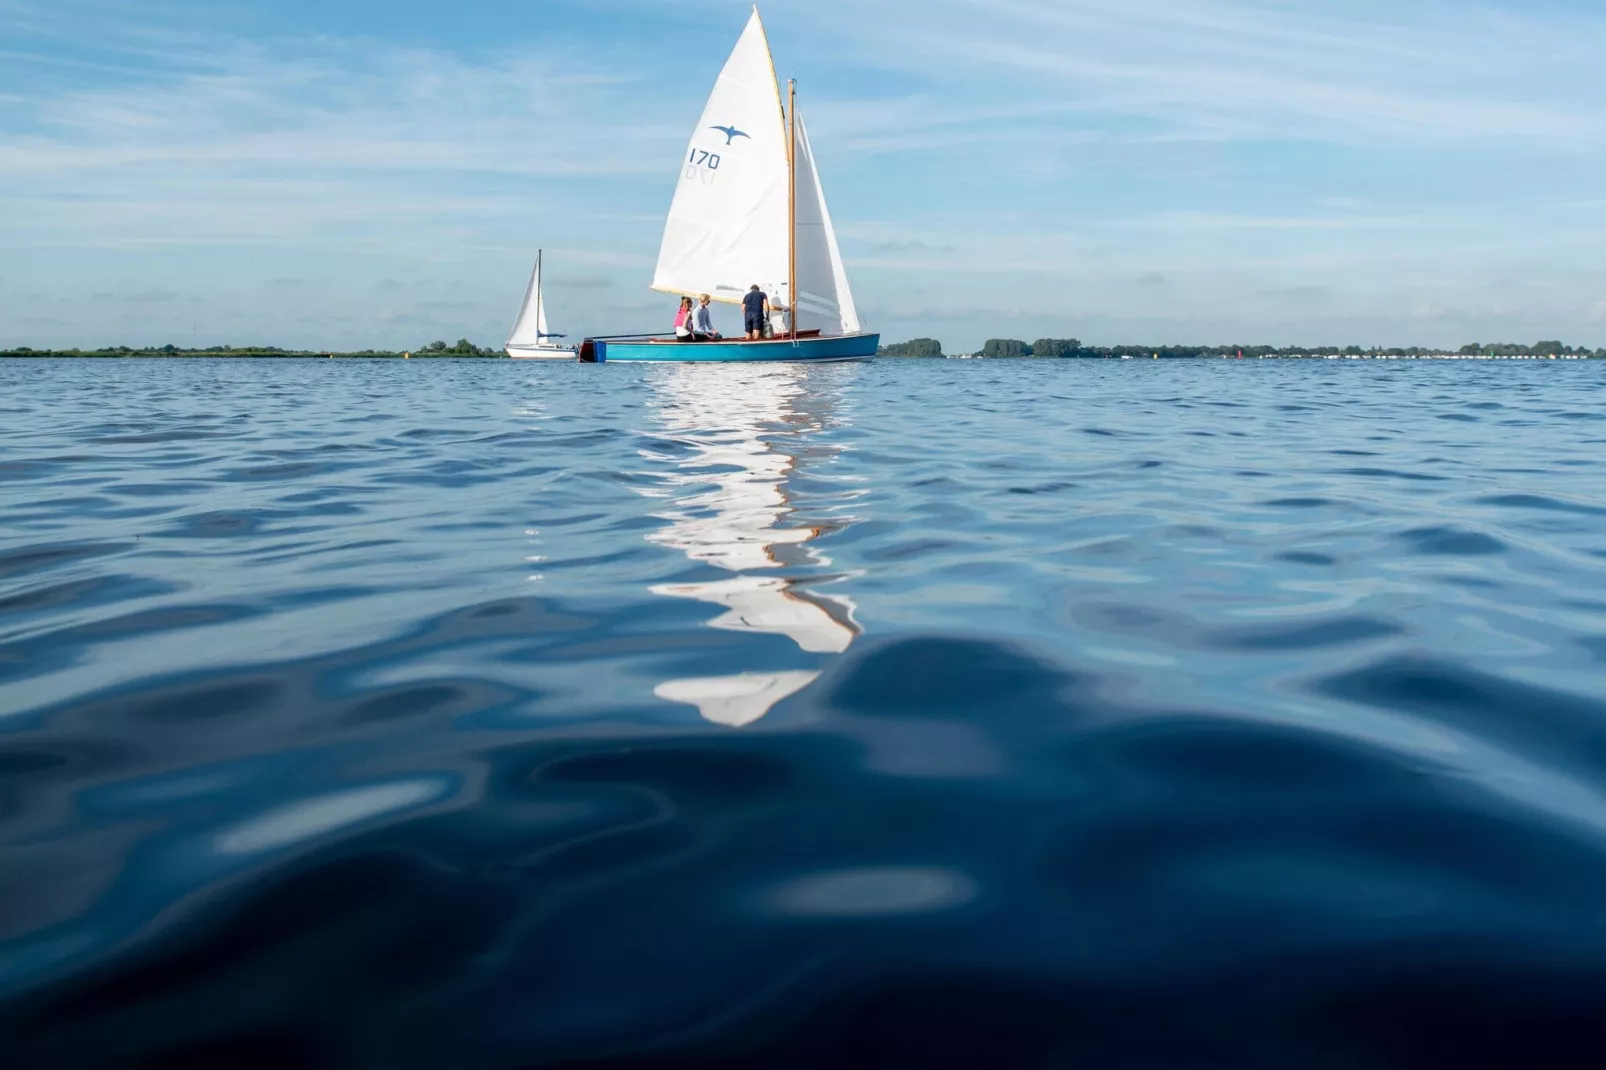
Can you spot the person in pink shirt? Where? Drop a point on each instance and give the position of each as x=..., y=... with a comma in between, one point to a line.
x=683, y=321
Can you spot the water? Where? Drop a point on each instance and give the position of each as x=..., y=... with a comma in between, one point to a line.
x=482, y=714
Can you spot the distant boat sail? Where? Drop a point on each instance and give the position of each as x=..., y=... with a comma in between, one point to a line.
x=749, y=208
x=530, y=337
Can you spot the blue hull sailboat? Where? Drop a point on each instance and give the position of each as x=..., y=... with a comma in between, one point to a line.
x=843, y=347
x=749, y=210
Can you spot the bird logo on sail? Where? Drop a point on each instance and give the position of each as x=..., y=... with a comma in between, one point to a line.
x=731, y=133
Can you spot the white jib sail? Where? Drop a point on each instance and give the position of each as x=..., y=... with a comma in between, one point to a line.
x=530, y=330
x=824, y=301
x=727, y=227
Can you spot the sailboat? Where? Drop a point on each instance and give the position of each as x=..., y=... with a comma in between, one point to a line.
x=530, y=338
x=749, y=209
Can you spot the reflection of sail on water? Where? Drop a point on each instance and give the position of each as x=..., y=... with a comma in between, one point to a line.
x=731, y=510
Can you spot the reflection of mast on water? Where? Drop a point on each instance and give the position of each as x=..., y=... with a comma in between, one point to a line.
x=738, y=421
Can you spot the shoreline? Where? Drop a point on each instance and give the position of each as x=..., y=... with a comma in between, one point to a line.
x=69, y=355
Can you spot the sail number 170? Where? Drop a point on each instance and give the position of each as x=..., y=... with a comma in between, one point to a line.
x=701, y=165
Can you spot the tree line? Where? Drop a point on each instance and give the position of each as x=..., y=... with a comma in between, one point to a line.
x=461, y=348
x=915, y=347
x=1074, y=349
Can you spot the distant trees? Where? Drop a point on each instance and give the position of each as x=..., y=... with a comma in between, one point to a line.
x=1006, y=347
x=915, y=347
x=1514, y=349
x=1075, y=349
x=461, y=348
x=1055, y=347
x=177, y=353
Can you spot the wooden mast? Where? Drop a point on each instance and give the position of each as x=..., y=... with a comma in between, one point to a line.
x=791, y=204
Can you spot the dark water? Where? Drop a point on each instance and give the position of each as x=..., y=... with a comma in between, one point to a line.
x=474, y=714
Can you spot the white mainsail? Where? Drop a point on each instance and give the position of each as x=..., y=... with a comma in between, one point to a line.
x=531, y=330
x=727, y=226
x=824, y=302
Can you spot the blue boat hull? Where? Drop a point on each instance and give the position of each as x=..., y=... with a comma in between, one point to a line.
x=845, y=347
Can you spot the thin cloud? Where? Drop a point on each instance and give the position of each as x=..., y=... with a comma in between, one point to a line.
x=1295, y=293
x=951, y=315
x=1207, y=67
x=334, y=106
x=155, y=295
x=1190, y=220
x=916, y=246
x=580, y=282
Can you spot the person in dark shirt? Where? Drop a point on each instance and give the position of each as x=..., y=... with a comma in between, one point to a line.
x=755, y=307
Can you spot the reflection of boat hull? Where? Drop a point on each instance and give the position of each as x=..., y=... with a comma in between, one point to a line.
x=540, y=352
x=842, y=347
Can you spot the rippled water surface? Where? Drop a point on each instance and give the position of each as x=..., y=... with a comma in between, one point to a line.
x=1114, y=714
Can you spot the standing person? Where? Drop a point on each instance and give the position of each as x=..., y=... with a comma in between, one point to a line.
x=755, y=303
x=683, y=321
x=702, y=321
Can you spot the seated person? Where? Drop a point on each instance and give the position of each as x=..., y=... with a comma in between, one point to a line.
x=702, y=321
x=683, y=321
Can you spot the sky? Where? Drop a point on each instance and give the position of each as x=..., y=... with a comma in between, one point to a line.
x=340, y=174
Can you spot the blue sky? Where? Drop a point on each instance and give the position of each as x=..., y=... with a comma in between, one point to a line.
x=344, y=174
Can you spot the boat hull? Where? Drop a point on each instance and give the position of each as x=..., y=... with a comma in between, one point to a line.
x=843, y=347
x=541, y=352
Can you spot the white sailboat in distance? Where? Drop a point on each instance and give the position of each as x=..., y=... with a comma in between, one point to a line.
x=530, y=338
